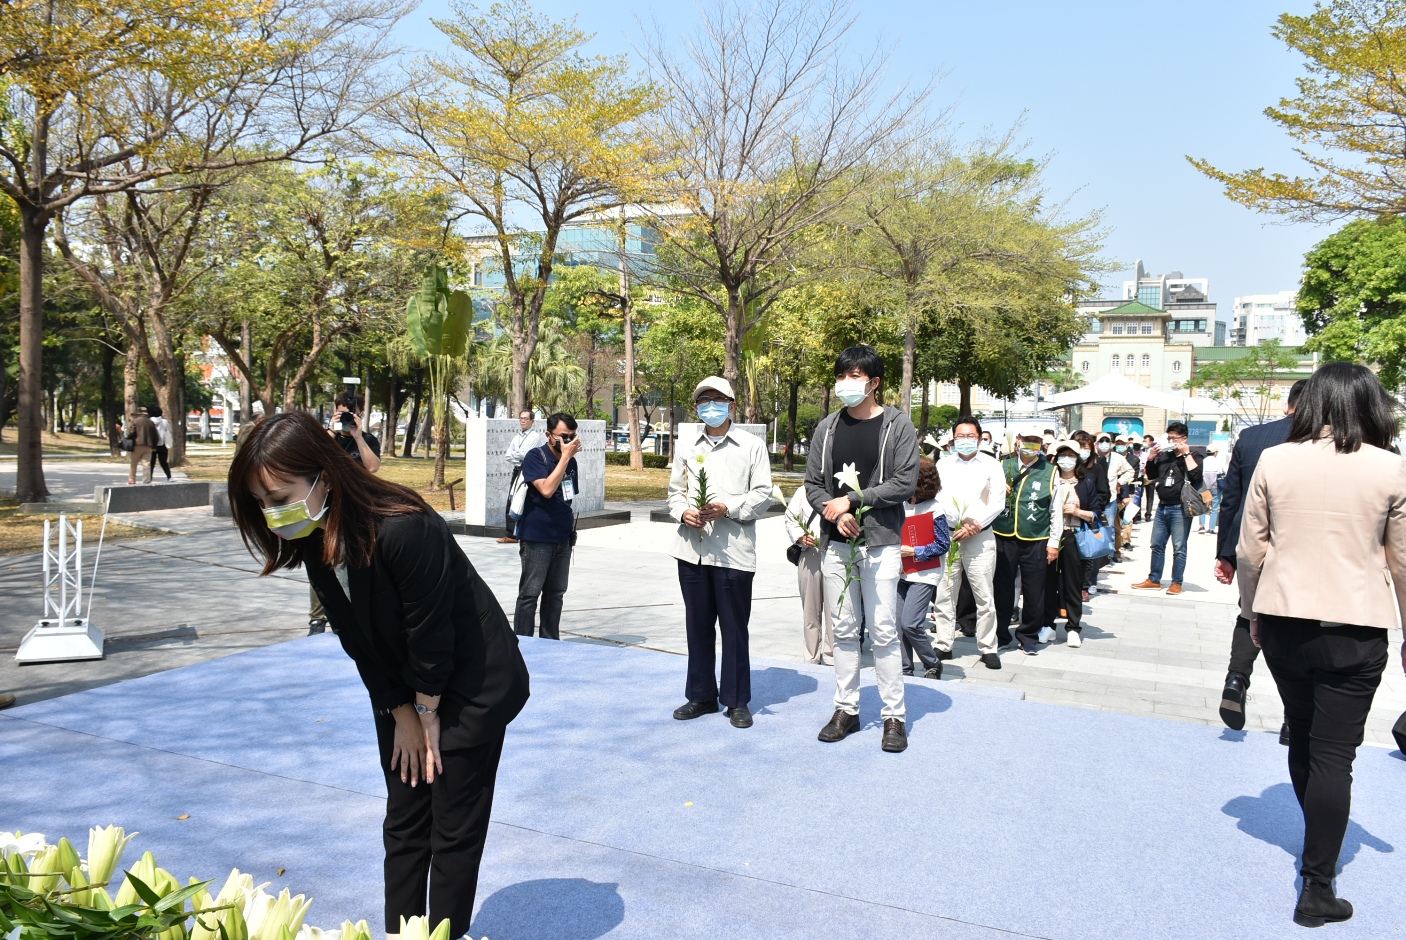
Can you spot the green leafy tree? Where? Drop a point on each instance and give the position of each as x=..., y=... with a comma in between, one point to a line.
x=440, y=324
x=1353, y=296
x=1250, y=383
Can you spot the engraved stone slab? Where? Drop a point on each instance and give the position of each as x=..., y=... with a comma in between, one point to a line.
x=487, y=471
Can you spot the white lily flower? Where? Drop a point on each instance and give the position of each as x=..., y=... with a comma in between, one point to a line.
x=700, y=458
x=46, y=862
x=23, y=844
x=267, y=915
x=416, y=928
x=849, y=476
x=105, y=849
x=317, y=933
x=360, y=930
x=932, y=441
x=777, y=495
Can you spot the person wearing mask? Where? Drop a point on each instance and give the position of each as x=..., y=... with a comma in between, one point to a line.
x=989, y=445
x=917, y=588
x=361, y=447
x=1149, y=486
x=431, y=645
x=1120, y=483
x=1027, y=541
x=547, y=530
x=1130, y=449
x=1096, y=466
x=527, y=439
x=716, y=549
x=863, y=457
x=1170, y=468
x=145, y=440
x=802, y=525
x=1078, y=500
x=161, y=451
x=1324, y=524
x=1211, y=469
x=974, y=492
x=1244, y=458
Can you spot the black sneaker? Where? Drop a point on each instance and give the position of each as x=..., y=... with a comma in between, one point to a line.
x=1232, y=701
x=895, y=736
x=695, y=709
x=841, y=726
x=991, y=660
x=316, y=626
x=943, y=655
x=740, y=716
x=935, y=672
x=1030, y=649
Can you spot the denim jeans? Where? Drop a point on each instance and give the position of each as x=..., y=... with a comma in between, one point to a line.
x=1169, y=521
x=1214, y=514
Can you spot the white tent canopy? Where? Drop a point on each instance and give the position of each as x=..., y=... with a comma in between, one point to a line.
x=1114, y=389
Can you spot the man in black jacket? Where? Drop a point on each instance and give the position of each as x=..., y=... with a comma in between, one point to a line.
x=1251, y=444
x=1170, y=468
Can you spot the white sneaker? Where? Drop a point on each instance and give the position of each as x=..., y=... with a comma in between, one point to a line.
x=1047, y=634
x=1093, y=589
x=1073, y=639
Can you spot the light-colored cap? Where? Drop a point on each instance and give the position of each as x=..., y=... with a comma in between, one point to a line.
x=717, y=383
x=1067, y=442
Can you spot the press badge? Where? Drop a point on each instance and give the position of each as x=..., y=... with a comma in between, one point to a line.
x=568, y=489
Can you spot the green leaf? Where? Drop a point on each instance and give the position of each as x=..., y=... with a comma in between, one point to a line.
x=458, y=325
x=143, y=892
x=177, y=898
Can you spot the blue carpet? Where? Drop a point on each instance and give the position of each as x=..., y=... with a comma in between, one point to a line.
x=613, y=820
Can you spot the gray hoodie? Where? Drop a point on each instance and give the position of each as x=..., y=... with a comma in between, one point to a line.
x=894, y=480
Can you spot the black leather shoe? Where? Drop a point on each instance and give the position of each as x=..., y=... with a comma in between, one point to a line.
x=968, y=632
x=1318, y=905
x=935, y=672
x=1232, y=701
x=991, y=660
x=895, y=736
x=943, y=655
x=840, y=727
x=695, y=709
x=316, y=626
x=1284, y=734
x=740, y=717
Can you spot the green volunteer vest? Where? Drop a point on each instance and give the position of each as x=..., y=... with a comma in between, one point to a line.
x=1028, y=496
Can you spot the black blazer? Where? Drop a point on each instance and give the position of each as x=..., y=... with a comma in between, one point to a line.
x=1251, y=444
x=420, y=619
x=1093, y=492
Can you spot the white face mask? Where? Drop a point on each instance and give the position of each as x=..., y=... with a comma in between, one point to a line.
x=1104, y=447
x=295, y=520
x=965, y=446
x=1083, y=453
x=851, y=391
x=1067, y=463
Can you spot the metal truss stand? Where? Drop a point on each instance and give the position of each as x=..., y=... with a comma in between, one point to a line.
x=64, y=634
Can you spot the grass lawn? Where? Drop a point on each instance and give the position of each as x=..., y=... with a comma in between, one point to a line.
x=20, y=534
x=58, y=444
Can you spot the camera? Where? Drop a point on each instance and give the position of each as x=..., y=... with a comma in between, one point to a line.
x=347, y=419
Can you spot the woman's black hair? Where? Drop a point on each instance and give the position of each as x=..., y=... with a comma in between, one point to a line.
x=865, y=358
x=1349, y=400
x=154, y=411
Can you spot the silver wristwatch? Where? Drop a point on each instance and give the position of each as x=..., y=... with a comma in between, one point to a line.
x=424, y=709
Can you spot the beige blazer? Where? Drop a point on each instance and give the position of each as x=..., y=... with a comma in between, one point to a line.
x=1323, y=535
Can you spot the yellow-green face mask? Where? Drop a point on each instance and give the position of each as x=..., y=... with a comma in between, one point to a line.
x=294, y=520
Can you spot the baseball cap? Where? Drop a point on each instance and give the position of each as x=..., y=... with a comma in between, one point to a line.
x=717, y=383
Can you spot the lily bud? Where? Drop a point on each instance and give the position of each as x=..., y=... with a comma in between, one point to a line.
x=105, y=849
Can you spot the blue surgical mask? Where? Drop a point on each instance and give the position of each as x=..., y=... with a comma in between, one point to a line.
x=966, y=447
x=1122, y=448
x=714, y=413
x=851, y=391
x=295, y=520
x=1083, y=453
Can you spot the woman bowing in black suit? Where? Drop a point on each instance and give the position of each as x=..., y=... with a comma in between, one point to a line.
x=434, y=649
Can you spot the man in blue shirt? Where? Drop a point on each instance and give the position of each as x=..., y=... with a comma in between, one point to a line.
x=547, y=529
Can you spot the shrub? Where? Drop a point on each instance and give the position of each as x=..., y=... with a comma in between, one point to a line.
x=622, y=459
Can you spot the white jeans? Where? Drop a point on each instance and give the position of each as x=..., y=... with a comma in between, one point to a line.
x=874, y=591
x=977, y=564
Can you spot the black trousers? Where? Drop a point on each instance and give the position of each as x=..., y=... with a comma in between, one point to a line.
x=1327, y=677
x=160, y=453
x=434, y=834
x=509, y=523
x=1149, y=497
x=1064, y=585
x=966, y=609
x=546, y=567
x=717, y=598
x=1029, y=559
x=1243, y=651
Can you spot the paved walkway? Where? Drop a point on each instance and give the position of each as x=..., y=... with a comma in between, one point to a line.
x=173, y=600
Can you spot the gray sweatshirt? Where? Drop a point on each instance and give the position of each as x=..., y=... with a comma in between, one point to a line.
x=894, y=480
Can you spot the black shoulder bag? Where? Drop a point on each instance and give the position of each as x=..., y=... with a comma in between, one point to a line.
x=796, y=549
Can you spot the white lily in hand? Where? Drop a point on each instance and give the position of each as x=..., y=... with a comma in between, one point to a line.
x=848, y=475
x=23, y=844
x=777, y=495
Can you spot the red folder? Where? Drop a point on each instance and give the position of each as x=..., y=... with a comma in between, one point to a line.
x=919, y=530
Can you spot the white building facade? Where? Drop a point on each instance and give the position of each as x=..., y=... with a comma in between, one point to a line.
x=1261, y=317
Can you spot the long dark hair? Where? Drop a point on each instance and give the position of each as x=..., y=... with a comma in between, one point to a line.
x=295, y=446
x=1350, y=401
x=1081, y=467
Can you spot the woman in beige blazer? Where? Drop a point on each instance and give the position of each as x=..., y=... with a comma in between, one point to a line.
x=1322, y=565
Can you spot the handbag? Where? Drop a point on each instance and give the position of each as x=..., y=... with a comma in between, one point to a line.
x=128, y=443
x=1194, y=501
x=795, y=550
x=518, y=500
x=1094, y=541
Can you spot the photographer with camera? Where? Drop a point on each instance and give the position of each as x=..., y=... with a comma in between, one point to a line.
x=440, y=664
x=547, y=529
x=360, y=446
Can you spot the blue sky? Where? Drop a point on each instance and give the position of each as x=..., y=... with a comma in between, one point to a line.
x=1113, y=94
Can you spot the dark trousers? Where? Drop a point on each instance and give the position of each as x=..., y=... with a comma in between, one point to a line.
x=1243, y=651
x=509, y=523
x=1029, y=559
x=160, y=453
x=545, y=568
x=1064, y=585
x=717, y=598
x=914, y=602
x=1149, y=497
x=1327, y=677
x=966, y=609
x=434, y=834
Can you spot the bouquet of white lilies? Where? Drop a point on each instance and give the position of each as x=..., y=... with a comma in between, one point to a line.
x=47, y=892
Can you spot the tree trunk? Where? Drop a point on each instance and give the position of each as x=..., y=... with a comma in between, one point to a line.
x=109, y=401
x=790, y=463
x=732, y=339
x=131, y=373
x=29, y=478
x=388, y=431
x=441, y=447
x=910, y=355
x=964, y=407
x=246, y=390
x=825, y=400
x=632, y=405
x=422, y=439
x=412, y=425
x=923, y=416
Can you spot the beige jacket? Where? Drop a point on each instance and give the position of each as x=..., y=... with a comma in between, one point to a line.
x=739, y=476
x=1323, y=535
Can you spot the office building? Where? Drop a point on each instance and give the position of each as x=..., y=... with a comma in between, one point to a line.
x=1261, y=317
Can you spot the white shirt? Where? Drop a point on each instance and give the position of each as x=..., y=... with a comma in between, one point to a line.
x=525, y=441
x=975, y=488
x=800, y=507
x=938, y=507
x=163, y=429
x=739, y=477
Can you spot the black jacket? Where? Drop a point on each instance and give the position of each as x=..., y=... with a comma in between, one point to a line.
x=420, y=619
x=1168, y=462
x=1093, y=491
x=1243, y=460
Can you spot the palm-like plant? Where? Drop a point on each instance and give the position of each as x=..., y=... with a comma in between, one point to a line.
x=440, y=324
x=555, y=379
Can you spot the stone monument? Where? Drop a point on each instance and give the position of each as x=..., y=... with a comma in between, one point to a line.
x=486, y=472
